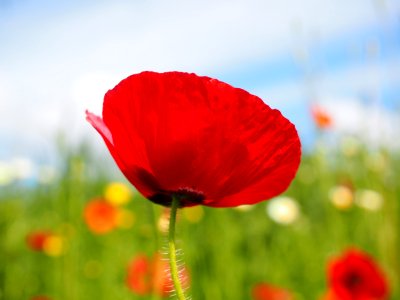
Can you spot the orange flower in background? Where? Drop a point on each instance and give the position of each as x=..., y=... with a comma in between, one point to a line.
x=264, y=291
x=100, y=216
x=151, y=275
x=321, y=117
x=355, y=276
x=162, y=283
x=330, y=295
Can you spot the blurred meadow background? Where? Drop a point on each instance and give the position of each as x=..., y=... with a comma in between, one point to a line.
x=71, y=227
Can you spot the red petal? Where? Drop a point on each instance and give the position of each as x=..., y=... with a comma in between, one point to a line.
x=136, y=175
x=177, y=131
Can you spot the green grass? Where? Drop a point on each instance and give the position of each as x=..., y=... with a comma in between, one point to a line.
x=227, y=252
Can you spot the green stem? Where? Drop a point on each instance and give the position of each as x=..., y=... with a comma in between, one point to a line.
x=172, y=250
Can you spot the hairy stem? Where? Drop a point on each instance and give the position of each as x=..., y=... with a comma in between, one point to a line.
x=172, y=250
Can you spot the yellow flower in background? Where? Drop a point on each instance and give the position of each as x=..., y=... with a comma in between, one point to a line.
x=118, y=193
x=283, y=210
x=341, y=197
x=163, y=220
x=125, y=218
x=350, y=146
x=377, y=162
x=244, y=207
x=369, y=200
x=193, y=214
x=53, y=245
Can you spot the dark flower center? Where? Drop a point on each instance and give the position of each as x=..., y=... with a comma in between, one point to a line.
x=353, y=281
x=186, y=196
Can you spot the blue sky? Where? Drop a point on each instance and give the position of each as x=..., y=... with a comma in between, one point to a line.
x=58, y=58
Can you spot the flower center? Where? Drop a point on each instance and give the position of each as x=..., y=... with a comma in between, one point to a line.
x=353, y=280
x=187, y=197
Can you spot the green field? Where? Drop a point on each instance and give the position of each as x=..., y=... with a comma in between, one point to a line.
x=227, y=251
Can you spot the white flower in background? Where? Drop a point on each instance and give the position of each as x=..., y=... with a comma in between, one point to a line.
x=18, y=168
x=371, y=125
x=22, y=168
x=6, y=173
x=283, y=210
x=341, y=197
x=369, y=199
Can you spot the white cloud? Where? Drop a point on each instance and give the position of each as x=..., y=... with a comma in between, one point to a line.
x=200, y=35
x=88, y=90
x=352, y=81
x=56, y=66
x=371, y=123
x=367, y=78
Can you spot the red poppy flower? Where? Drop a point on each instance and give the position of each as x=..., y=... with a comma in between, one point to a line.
x=40, y=298
x=36, y=240
x=197, y=138
x=355, y=276
x=100, y=216
x=263, y=291
x=146, y=276
x=138, y=278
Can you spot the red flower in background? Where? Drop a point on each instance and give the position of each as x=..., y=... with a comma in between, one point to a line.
x=321, y=117
x=45, y=241
x=146, y=276
x=40, y=298
x=100, y=216
x=264, y=291
x=36, y=240
x=197, y=138
x=355, y=276
x=138, y=278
